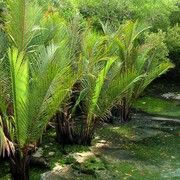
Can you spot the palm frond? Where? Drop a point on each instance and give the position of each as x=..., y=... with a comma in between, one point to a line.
x=75, y=35
x=99, y=83
x=116, y=90
x=162, y=68
x=50, y=29
x=22, y=21
x=52, y=79
x=130, y=31
x=81, y=97
x=141, y=60
x=19, y=79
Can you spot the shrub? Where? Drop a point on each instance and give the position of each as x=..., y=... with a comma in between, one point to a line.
x=173, y=38
x=160, y=51
x=112, y=11
x=173, y=44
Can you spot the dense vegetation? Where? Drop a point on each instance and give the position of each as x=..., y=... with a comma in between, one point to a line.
x=77, y=63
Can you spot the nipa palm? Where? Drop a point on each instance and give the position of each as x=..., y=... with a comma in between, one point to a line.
x=35, y=78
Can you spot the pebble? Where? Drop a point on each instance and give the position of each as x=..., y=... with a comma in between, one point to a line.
x=38, y=153
x=51, y=153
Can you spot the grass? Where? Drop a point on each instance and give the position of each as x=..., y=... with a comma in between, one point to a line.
x=89, y=167
x=49, y=144
x=158, y=106
x=146, y=157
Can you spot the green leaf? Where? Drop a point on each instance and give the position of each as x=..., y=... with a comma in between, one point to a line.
x=19, y=80
x=23, y=18
x=98, y=87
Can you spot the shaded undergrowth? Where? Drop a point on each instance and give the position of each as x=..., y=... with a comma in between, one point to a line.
x=135, y=150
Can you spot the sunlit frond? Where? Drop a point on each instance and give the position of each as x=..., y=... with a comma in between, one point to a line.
x=20, y=83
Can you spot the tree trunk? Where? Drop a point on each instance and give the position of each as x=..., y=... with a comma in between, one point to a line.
x=86, y=140
x=126, y=113
x=121, y=113
x=20, y=166
x=66, y=134
x=64, y=129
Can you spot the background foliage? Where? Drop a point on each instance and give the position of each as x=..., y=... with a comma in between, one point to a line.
x=162, y=16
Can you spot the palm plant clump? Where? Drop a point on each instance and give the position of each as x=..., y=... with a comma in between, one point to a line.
x=116, y=71
x=138, y=58
x=35, y=77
